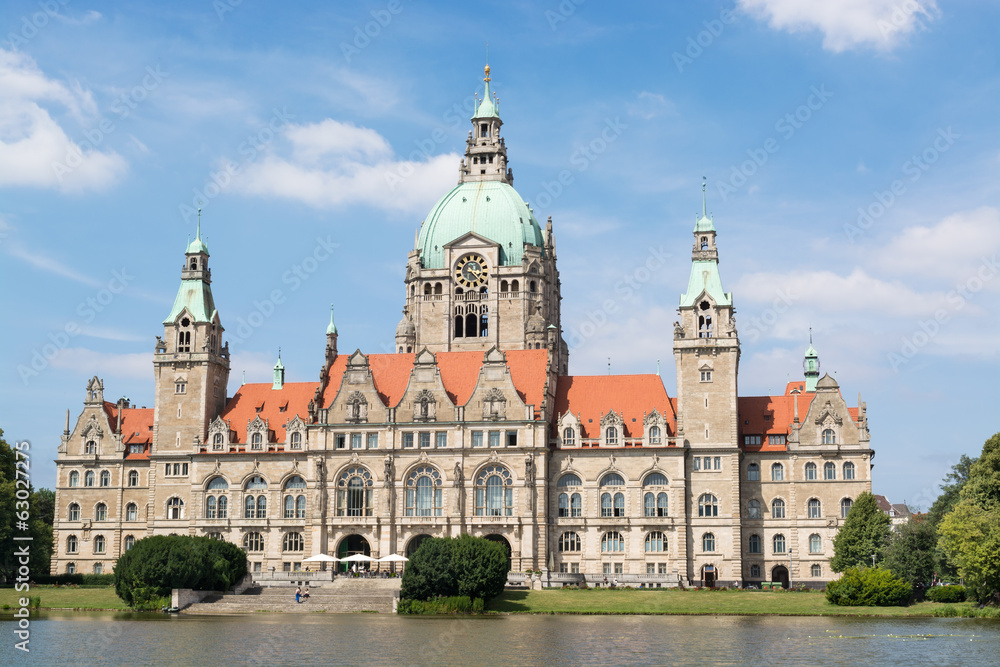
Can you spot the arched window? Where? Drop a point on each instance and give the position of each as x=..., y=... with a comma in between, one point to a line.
x=470, y=325
x=612, y=542
x=606, y=505
x=289, y=507
x=292, y=542
x=427, y=288
x=211, y=508
x=810, y=471
x=223, y=502
x=256, y=483
x=300, y=507
x=564, y=504
x=74, y=512
x=131, y=512
x=755, y=571
x=72, y=544
x=569, y=436
x=88, y=478
x=253, y=542
x=705, y=321
x=655, y=542
x=777, y=472
x=129, y=542
x=133, y=478
x=569, y=542
x=261, y=507
x=70, y=568
x=295, y=442
x=619, y=500
x=354, y=492
x=249, y=507
x=424, y=492
x=754, y=545
x=217, y=441
x=704, y=243
x=779, y=543
x=494, y=492
x=515, y=286
x=105, y=478
x=175, y=508
x=504, y=287
x=90, y=447
x=256, y=441
x=753, y=509
x=74, y=478
x=654, y=435
x=532, y=286
x=99, y=567
x=100, y=544
x=848, y=470
x=815, y=544
x=814, y=508
x=569, y=480
x=708, y=505
x=829, y=471
x=295, y=482
x=816, y=570
x=219, y=484
x=753, y=472
x=845, y=507
x=655, y=479
x=654, y=504
x=575, y=505
x=437, y=288
x=708, y=542
x=829, y=437
x=778, y=509
x=612, y=479
x=611, y=435
x=459, y=327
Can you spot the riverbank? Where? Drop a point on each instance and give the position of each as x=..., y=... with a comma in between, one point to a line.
x=700, y=602
x=580, y=602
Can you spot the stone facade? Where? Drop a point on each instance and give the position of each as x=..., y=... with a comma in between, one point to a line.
x=474, y=426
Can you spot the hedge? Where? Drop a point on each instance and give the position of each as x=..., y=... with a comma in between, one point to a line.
x=74, y=579
x=869, y=587
x=946, y=594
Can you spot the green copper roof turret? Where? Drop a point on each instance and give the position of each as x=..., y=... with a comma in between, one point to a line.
x=331, y=329
x=810, y=365
x=487, y=108
x=197, y=246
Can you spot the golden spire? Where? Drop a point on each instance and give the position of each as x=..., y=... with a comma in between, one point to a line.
x=487, y=77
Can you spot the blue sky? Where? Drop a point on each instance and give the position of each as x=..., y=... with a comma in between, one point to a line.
x=850, y=151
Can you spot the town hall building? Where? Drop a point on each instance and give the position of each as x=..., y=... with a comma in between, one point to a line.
x=473, y=425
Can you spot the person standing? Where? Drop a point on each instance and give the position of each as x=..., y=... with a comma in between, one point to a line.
x=298, y=595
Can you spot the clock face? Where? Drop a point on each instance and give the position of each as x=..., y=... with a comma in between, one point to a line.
x=471, y=271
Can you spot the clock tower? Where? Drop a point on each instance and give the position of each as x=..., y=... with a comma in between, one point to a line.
x=482, y=272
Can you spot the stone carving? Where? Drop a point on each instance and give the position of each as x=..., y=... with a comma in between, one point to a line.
x=678, y=330
x=529, y=469
x=388, y=466
x=459, y=476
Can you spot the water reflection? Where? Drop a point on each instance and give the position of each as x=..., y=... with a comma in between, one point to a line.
x=368, y=639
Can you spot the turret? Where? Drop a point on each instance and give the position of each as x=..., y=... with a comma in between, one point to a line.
x=279, y=374
x=810, y=365
x=485, y=151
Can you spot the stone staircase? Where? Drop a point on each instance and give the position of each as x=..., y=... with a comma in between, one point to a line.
x=343, y=596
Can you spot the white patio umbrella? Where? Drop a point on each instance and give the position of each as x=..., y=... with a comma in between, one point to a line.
x=393, y=558
x=357, y=558
x=319, y=558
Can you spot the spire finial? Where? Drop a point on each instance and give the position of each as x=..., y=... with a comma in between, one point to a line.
x=331, y=328
x=279, y=354
x=704, y=202
x=810, y=335
x=487, y=70
x=198, y=235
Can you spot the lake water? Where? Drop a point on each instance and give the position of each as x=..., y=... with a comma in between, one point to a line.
x=369, y=639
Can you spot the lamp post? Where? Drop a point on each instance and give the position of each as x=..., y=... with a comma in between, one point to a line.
x=789, y=568
x=873, y=560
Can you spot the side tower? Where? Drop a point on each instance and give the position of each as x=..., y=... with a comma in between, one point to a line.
x=707, y=355
x=190, y=365
x=482, y=272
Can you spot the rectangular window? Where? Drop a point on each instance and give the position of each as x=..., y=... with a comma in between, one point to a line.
x=718, y=463
x=356, y=441
x=442, y=439
x=776, y=439
x=751, y=439
x=650, y=568
x=407, y=440
x=286, y=567
x=706, y=376
x=574, y=568
x=662, y=568
x=618, y=568
x=708, y=463
x=425, y=439
x=180, y=388
x=607, y=568
x=477, y=438
x=512, y=438
x=697, y=463
x=256, y=567
x=494, y=438
x=563, y=567
x=341, y=440
x=373, y=441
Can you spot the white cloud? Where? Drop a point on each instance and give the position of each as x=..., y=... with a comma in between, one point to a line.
x=51, y=265
x=87, y=361
x=650, y=105
x=846, y=24
x=952, y=249
x=334, y=164
x=35, y=150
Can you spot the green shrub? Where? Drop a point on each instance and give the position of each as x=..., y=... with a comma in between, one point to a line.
x=471, y=567
x=154, y=565
x=74, y=579
x=869, y=587
x=946, y=594
x=454, y=604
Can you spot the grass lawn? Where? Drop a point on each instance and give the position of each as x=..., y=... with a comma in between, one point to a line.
x=64, y=598
x=604, y=601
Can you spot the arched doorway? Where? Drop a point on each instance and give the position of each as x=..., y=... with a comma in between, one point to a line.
x=414, y=544
x=350, y=545
x=780, y=573
x=502, y=541
x=709, y=575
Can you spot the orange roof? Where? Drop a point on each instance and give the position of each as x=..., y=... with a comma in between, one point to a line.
x=136, y=426
x=633, y=396
x=459, y=374
x=294, y=397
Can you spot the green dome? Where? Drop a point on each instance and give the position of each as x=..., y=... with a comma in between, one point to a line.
x=196, y=247
x=491, y=209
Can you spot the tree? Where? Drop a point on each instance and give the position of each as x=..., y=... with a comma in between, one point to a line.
x=911, y=554
x=983, y=487
x=970, y=537
x=40, y=506
x=480, y=567
x=950, y=488
x=429, y=573
x=865, y=532
x=155, y=565
x=869, y=587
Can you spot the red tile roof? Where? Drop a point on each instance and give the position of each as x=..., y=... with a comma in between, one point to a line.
x=243, y=407
x=136, y=427
x=527, y=371
x=590, y=396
